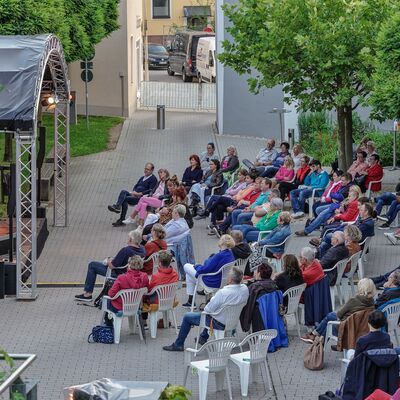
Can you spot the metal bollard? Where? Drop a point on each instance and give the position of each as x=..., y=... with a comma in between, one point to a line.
x=2, y=280
x=160, y=117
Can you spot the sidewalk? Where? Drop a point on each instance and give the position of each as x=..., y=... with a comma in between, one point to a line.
x=56, y=328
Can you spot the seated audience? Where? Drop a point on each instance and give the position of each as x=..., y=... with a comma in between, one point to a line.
x=375, y=339
x=363, y=299
x=154, y=199
x=352, y=238
x=365, y=223
x=286, y=172
x=95, y=268
x=391, y=290
x=286, y=187
x=277, y=236
x=267, y=223
x=165, y=273
x=212, y=204
x=371, y=151
x=258, y=211
x=373, y=173
x=154, y=246
x=250, y=316
x=134, y=278
x=362, y=146
x=207, y=156
x=278, y=161
x=380, y=280
x=233, y=293
x=212, y=264
x=241, y=250
x=297, y=154
x=393, y=201
x=144, y=185
x=290, y=276
x=310, y=267
x=193, y=174
x=212, y=178
x=338, y=184
x=230, y=162
x=318, y=178
x=340, y=210
x=264, y=158
x=177, y=228
x=359, y=165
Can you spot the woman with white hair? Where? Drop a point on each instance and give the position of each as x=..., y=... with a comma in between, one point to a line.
x=121, y=259
x=364, y=299
x=212, y=264
x=177, y=229
x=230, y=162
x=267, y=223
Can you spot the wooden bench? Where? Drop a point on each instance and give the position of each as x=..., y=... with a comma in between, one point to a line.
x=47, y=175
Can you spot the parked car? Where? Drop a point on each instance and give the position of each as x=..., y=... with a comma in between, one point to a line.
x=157, y=56
x=205, y=60
x=182, y=54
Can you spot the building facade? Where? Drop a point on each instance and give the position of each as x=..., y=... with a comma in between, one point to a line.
x=165, y=17
x=117, y=68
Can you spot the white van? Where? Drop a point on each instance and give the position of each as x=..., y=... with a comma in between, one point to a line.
x=206, y=65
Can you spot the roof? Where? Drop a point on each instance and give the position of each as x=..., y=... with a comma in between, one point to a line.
x=22, y=67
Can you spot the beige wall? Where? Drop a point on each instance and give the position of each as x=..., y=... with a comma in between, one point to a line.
x=114, y=86
x=157, y=28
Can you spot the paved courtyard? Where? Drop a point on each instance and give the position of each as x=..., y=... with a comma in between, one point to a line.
x=56, y=328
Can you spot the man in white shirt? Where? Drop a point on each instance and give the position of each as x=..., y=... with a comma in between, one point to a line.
x=264, y=158
x=177, y=229
x=233, y=293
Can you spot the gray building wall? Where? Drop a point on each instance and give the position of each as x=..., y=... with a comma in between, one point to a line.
x=238, y=111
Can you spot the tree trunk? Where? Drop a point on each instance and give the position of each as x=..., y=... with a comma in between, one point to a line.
x=345, y=137
x=8, y=148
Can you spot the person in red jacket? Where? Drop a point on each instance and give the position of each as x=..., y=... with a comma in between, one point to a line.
x=165, y=273
x=154, y=246
x=373, y=173
x=134, y=278
x=348, y=210
x=310, y=267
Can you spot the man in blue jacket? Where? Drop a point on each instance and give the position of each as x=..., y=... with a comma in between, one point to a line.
x=318, y=178
x=144, y=186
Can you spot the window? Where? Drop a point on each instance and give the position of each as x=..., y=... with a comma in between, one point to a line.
x=161, y=9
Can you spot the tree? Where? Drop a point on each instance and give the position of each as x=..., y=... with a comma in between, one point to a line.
x=385, y=98
x=321, y=51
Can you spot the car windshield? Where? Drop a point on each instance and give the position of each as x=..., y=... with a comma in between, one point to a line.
x=157, y=49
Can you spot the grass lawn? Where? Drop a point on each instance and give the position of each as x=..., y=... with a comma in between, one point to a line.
x=84, y=141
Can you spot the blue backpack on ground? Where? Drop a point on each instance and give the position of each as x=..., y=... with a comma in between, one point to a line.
x=102, y=334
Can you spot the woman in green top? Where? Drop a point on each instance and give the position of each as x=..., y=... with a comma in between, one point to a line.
x=267, y=223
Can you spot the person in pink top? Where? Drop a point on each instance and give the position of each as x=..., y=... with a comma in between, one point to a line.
x=359, y=165
x=155, y=199
x=285, y=172
x=134, y=278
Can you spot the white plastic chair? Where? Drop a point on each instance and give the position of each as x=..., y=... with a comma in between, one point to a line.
x=214, y=189
x=131, y=301
x=241, y=263
x=262, y=234
x=392, y=312
x=231, y=314
x=369, y=192
x=365, y=244
x=154, y=258
x=348, y=289
x=224, y=279
x=257, y=355
x=277, y=261
x=329, y=336
x=340, y=266
x=217, y=363
x=294, y=294
x=311, y=201
x=166, y=296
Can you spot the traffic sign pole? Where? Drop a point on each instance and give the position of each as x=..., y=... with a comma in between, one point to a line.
x=86, y=93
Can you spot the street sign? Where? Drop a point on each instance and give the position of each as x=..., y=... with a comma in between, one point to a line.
x=89, y=75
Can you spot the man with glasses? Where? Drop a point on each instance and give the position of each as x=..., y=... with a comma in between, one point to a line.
x=318, y=178
x=264, y=158
x=145, y=185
